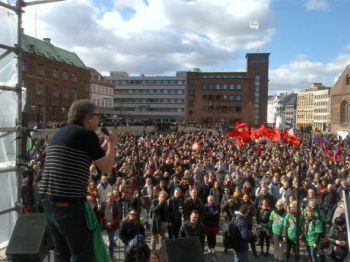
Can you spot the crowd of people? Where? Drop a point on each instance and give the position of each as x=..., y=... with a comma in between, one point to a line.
x=182, y=184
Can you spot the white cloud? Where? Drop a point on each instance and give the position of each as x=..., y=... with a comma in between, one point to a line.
x=317, y=4
x=301, y=72
x=159, y=36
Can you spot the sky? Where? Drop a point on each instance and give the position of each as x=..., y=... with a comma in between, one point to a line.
x=308, y=40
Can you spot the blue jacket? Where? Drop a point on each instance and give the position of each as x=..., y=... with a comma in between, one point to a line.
x=246, y=234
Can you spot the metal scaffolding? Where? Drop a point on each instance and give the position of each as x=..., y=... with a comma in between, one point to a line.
x=14, y=167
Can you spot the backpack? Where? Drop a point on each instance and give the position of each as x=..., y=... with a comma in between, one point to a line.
x=232, y=236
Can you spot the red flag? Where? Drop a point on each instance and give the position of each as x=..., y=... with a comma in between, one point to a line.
x=239, y=142
x=325, y=152
x=241, y=125
x=254, y=134
x=337, y=154
x=277, y=135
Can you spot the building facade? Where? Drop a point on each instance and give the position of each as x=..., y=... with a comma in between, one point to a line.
x=272, y=103
x=149, y=97
x=101, y=93
x=281, y=109
x=215, y=97
x=305, y=114
x=321, y=110
x=54, y=78
x=289, y=112
x=340, y=102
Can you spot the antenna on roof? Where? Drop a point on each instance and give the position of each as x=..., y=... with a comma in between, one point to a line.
x=254, y=24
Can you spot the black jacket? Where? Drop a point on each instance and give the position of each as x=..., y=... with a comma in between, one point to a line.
x=159, y=213
x=174, y=206
x=187, y=230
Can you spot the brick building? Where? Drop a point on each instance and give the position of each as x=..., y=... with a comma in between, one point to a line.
x=54, y=78
x=215, y=97
x=340, y=102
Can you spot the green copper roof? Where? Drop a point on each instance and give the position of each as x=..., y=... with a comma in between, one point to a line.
x=48, y=50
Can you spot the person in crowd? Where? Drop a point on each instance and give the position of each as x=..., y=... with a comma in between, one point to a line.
x=263, y=221
x=248, y=210
x=155, y=256
x=312, y=233
x=226, y=197
x=216, y=192
x=264, y=194
x=276, y=220
x=175, y=204
x=193, y=203
x=193, y=228
x=338, y=240
x=129, y=228
x=63, y=186
x=103, y=189
x=211, y=219
x=109, y=214
x=245, y=235
x=289, y=231
x=159, y=214
x=274, y=187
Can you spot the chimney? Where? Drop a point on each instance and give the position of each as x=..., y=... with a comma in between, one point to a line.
x=47, y=40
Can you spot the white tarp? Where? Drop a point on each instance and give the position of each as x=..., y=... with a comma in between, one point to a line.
x=8, y=116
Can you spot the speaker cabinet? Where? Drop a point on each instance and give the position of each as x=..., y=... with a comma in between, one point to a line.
x=30, y=240
x=183, y=250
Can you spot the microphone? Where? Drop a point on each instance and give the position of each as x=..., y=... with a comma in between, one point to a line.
x=104, y=130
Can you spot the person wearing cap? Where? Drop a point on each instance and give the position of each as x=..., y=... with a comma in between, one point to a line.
x=337, y=238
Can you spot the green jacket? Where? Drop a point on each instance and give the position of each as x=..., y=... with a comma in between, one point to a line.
x=100, y=251
x=277, y=221
x=289, y=227
x=312, y=231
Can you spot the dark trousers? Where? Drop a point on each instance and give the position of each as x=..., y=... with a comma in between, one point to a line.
x=290, y=245
x=173, y=229
x=67, y=225
x=264, y=238
x=211, y=241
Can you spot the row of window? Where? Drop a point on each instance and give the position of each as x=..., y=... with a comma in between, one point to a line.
x=221, y=76
x=320, y=110
x=218, y=97
x=150, y=100
x=324, y=96
x=149, y=82
x=101, y=90
x=206, y=87
x=321, y=103
x=52, y=72
x=54, y=90
x=149, y=91
x=102, y=103
x=222, y=109
x=148, y=109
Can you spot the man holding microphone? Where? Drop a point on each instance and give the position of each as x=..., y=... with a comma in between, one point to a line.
x=63, y=187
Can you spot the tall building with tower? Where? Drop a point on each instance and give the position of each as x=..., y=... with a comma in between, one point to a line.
x=213, y=97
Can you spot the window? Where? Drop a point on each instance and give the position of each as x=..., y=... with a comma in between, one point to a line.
x=74, y=92
x=344, y=112
x=74, y=77
x=24, y=66
x=65, y=92
x=55, y=92
x=40, y=70
x=54, y=73
x=65, y=75
x=39, y=88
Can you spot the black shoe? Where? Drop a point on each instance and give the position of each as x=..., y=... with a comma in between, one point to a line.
x=225, y=251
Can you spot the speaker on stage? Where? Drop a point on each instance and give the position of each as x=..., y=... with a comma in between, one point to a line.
x=30, y=240
x=183, y=250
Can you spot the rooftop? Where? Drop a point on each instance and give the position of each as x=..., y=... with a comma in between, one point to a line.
x=46, y=49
